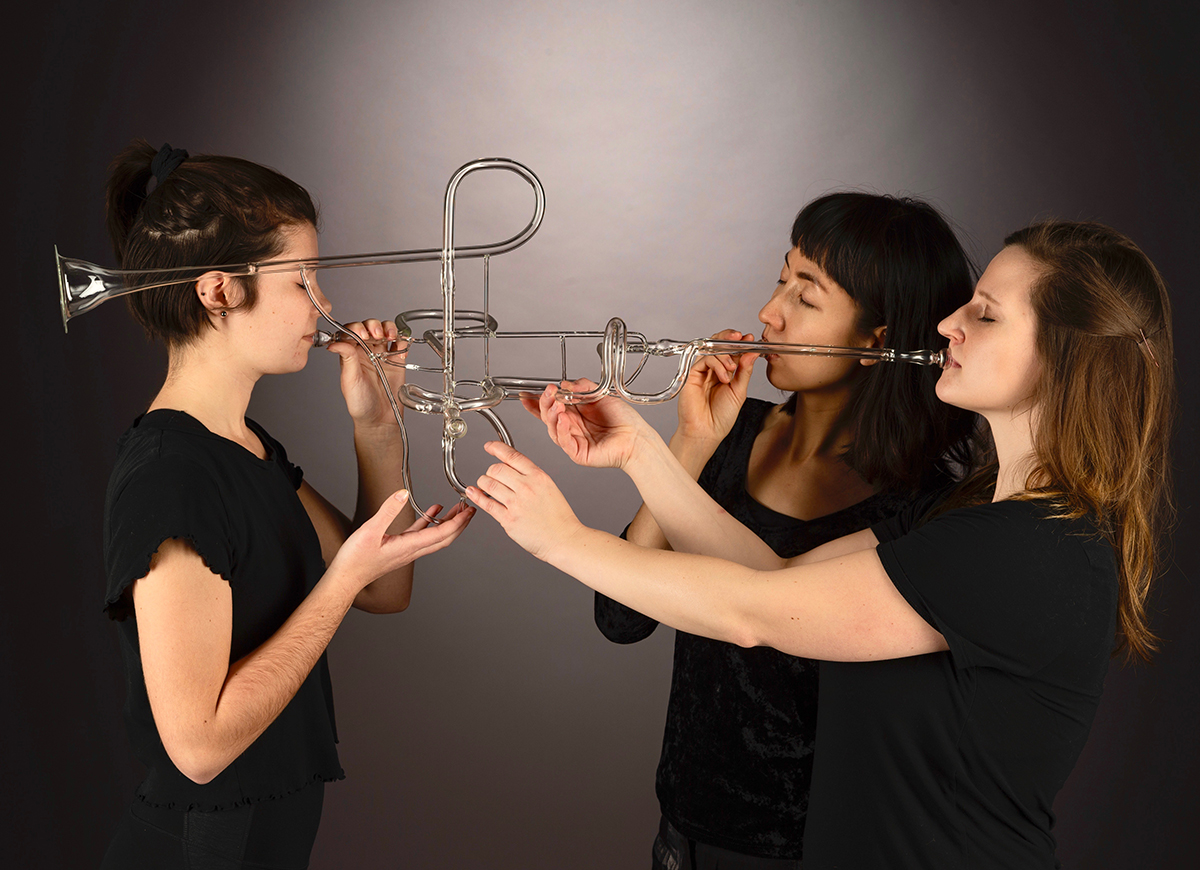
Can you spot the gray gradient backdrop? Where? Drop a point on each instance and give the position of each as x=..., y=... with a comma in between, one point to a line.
x=491, y=725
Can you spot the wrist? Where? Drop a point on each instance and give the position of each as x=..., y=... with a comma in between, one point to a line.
x=649, y=451
x=692, y=451
x=378, y=433
x=568, y=546
x=339, y=586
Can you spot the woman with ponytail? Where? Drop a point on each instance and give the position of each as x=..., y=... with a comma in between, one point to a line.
x=227, y=572
x=967, y=639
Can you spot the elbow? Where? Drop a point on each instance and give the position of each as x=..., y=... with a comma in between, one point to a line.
x=388, y=594
x=743, y=632
x=200, y=775
x=391, y=607
x=198, y=764
x=394, y=603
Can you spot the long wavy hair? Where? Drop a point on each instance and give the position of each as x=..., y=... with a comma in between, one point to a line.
x=1105, y=402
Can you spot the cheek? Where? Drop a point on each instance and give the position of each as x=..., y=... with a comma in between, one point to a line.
x=796, y=372
x=807, y=326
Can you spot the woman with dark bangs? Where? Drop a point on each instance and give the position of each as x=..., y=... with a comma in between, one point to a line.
x=851, y=446
x=227, y=572
x=965, y=641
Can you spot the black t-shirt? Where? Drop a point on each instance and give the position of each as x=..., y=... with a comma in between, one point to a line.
x=175, y=479
x=738, y=745
x=953, y=759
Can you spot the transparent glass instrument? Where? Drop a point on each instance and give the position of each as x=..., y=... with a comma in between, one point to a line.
x=83, y=286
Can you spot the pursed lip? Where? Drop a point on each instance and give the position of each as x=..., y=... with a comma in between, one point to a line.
x=953, y=362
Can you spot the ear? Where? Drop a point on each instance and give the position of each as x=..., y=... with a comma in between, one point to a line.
x=878, y=334
x=218, y=291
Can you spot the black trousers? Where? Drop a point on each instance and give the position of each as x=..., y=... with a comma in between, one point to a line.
x=675, y=851
x=269, y=835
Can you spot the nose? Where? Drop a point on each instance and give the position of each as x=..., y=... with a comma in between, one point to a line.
x=950, y=326
x=322, y=302
x=769, y=315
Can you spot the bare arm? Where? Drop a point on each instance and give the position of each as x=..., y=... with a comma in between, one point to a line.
x=378, y=469
x=207, y=710
x=863, y=539
x=840, y=609
x=644, y=529
x=379, y=452
x=611, y=434
x=687, y=516
x=707, y=408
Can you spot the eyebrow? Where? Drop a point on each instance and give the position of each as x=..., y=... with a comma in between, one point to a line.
x=812, y=279
x=988, y=296
x=805, y=276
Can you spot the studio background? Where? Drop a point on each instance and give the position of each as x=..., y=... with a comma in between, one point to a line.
x=491, y=726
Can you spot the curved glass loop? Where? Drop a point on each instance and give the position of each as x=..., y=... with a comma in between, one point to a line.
x=83, y=286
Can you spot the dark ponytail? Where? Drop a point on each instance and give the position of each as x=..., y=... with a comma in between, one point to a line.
x=208, y=211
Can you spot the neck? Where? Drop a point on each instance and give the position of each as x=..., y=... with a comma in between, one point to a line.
x=818, y=428
x=207, y=384
x=1012, y=432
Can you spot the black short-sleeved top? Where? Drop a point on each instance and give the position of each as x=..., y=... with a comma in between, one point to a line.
x=738, y=745
x=175, y=479
x=953, y=759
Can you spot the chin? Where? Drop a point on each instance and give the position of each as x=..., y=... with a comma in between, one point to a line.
x=779, y=383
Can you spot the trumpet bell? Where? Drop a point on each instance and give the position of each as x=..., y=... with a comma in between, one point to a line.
x=83, y=285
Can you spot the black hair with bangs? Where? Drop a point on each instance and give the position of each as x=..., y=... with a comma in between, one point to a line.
x=901, y=263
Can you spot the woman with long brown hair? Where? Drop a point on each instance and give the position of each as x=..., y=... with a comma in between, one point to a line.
x=851, y=445
x=973, y=631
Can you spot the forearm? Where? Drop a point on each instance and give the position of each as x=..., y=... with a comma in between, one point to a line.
x=685, y=591
x=686, y=515
x=380, y=455
x=259, y=685
x=841, y=609
x=692, y=456
x=380, y=459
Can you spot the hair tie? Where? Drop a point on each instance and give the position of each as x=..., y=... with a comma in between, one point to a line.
x=1145, y=342
x=165, y=162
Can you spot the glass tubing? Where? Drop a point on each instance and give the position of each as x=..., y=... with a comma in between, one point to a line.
x=83, y=286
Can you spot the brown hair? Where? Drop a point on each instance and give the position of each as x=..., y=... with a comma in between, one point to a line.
x=209, y=211
x=1105, y=400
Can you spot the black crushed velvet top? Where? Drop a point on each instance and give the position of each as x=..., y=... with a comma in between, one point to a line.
x=175, y=479
x=737, y=751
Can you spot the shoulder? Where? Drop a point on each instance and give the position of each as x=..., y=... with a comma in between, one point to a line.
x=759, y=411
x=268, y=440
x=162, y=446
x=278, y=454
x=753, y=416
x=1020, y=541
x=1010, y=585
x=1030, y=520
